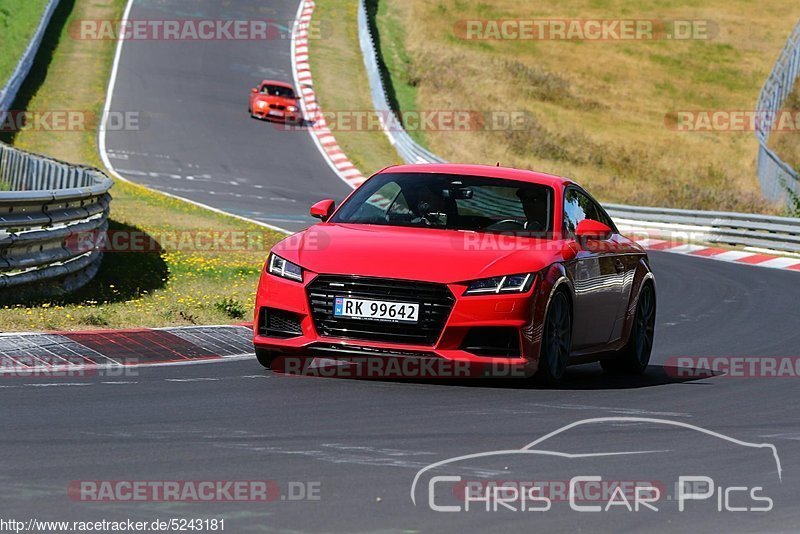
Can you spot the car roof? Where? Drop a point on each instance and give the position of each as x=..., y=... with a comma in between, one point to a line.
x=488, y=171
x=279, y=84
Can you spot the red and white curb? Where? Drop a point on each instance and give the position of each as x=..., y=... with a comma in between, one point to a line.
x=31, y=354
x=319, y=130
x=735, y=256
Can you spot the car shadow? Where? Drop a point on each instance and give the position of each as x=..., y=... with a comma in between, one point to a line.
x=583, y=377
x=122, y=276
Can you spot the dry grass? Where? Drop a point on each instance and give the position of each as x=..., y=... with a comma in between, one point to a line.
x=132, y=289
x=597, y=109
x=340, y=83
x=787, y=144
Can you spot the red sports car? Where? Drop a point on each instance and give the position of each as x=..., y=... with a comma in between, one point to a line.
x=487, y=266
x=275, y=101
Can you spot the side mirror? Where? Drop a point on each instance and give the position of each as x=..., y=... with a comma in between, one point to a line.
x=254, y=90
x=593, y=230
x=323, y=209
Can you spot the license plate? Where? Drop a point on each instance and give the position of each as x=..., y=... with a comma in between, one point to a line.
x=376, y=310
x=276, y=113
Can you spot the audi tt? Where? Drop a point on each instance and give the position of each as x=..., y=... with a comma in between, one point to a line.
x=488, y=266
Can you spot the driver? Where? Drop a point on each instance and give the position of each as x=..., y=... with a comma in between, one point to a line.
x=429, y=206
x=534, y=204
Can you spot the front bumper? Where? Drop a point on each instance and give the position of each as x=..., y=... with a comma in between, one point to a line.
x=267, y=113
x=508, y=311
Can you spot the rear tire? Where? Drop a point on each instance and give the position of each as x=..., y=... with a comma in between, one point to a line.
x=634, y=357
x=556, y=341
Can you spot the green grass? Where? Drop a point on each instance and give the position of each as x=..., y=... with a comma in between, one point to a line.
x=397, y=66
x=341, y=84
x=173, y=287
x=18, y=21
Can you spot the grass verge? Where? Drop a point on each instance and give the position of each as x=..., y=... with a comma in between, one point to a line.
x=18, y=22
x=181, y=286
x=597, y=111
x=341, y=85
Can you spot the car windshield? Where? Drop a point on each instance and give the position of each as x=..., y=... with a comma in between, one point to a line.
x=277, y=90
x=452, y=202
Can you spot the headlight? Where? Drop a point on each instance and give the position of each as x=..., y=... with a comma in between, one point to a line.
x=292, y=108
x=285, y=269
x=262, y=104
x=515, y=283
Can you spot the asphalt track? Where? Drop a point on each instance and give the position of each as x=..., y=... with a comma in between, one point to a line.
x=194, y=137
x=363, y=441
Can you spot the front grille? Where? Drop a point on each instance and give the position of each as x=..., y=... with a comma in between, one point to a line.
x=332, y=350
x=277, y=106
x=435, y=300
x=273, y=322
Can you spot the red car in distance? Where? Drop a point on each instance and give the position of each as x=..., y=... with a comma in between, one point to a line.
x=275, y=101
x=485, y=265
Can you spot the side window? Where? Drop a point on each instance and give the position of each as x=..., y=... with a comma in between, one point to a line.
x=605, y=219
x=574, y=211
x=577, y=207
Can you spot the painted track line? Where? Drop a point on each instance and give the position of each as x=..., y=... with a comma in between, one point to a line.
x=101, y=136
x=321, y=134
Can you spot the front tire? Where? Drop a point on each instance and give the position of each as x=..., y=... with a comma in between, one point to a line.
x=634, y=357
x=266, y=357
x=556, y=341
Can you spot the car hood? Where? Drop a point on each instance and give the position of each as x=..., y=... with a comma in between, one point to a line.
x=442, y=256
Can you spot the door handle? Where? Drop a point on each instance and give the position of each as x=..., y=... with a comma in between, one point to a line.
x=619, y=266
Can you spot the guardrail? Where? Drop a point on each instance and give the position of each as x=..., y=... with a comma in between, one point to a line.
x=409, y=150
x=49, y=204
x=773, y=173
x=741, y=229
x=721, y=227
x=9, y=92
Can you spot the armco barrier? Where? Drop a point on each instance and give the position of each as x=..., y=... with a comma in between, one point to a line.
x=408, y=149
x=9, y=92
x=48, y=203
x=742, y=229
x=722, y=227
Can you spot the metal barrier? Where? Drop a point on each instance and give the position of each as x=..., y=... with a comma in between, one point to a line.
x=409, y=150
x=759, y=231
x=722, y=227
x=775, y=175
x=50, y=204
x=9, y=92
